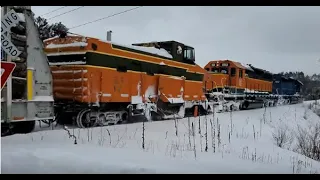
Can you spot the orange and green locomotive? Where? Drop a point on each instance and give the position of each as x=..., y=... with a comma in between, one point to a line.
x=244, y=86
x=100, y=82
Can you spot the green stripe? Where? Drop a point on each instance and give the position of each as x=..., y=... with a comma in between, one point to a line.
x=138, y=51
x=96, y=59
x=103, y=60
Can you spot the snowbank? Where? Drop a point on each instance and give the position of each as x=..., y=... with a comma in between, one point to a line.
x=238, y=142
x=54, y=158
x=48, y=158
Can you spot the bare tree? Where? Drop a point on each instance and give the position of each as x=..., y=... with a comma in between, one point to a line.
x=282, y=136
x=175, y=124
x=143, y=135
x=189, y=132
x=70, y=135
x=206, y=134
x=309, y=141
x=194, y=141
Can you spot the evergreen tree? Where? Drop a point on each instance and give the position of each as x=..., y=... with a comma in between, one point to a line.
x=47, y=30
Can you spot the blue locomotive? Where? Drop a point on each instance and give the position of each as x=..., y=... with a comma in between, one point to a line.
x=287, y=89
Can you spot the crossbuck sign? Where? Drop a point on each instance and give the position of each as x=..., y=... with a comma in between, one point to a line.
x=9, y=20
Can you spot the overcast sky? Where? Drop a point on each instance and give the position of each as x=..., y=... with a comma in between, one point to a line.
x=274, y=38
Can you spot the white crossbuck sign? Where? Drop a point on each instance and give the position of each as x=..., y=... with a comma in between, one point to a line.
x=9, y=20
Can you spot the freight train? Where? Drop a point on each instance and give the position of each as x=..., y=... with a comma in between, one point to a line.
x=91, y=82
x=101, y=82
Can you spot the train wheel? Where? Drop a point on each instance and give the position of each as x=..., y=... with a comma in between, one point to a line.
x=84, y=120
x=241, y=106
x=287, y=101
x=231, y=107
x=265, y=104
x=247, y=105
x=124, y=118
x=130, y=117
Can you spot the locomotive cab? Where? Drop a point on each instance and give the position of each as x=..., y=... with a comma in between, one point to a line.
x=179, y=51
x=227, y=74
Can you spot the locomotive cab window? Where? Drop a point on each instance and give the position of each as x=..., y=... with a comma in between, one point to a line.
x=233, y=72
x=215, y=70
x=240, y=73
x=189, y=54
x=224, y=70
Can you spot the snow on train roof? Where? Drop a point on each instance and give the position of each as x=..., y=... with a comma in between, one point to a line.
x=161, y=52
x=246, y=66
x=296, y=80
x=152, y=50
x=50, y=38
x=74, y=44
x=299, y=82
x=58, y=37
x=259, y=69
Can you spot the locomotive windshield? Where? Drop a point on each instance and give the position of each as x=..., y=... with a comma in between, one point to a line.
x=189, y=53
x=223, y=70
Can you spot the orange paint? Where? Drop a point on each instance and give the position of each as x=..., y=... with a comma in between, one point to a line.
x=17, y=118
x=91, y=84
x=238, y=79
x=195, y=112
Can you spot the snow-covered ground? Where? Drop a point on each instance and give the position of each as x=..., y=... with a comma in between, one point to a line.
x=248, y=148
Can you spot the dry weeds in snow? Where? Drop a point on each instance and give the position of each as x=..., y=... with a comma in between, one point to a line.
x=282, y=136
x=179, y=144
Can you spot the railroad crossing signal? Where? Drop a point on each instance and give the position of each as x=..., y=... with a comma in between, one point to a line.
x=6, y=70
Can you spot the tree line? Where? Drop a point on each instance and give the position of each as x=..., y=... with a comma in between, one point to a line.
x=311, y=84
